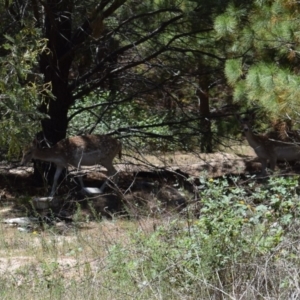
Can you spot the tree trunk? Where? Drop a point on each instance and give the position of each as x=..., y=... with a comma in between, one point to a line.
x=56, y=67
x=206, y=142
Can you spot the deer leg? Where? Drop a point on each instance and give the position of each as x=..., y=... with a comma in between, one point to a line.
x=80, y=179
x=263, y=166
x=111, y=172
x=81, y=182
x=273, y=163
x=55, y=179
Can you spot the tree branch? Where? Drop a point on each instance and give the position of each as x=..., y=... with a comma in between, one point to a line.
x=121, y=51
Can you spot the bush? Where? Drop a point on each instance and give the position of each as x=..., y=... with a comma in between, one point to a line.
x=239, y=247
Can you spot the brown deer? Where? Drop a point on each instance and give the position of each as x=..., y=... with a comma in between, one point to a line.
x=77, y=151
x=270, y=150
x=282, y=131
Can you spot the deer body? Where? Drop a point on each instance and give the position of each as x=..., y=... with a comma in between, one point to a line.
x=77, y=151
x=268, y=150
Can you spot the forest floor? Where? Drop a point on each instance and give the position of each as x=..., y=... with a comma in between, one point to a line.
x=142, y=175
x=150, y=186
x=135, y=173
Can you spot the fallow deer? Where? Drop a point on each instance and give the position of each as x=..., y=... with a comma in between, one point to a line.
x=282, y=131
x=270, y=150
x=77, y=151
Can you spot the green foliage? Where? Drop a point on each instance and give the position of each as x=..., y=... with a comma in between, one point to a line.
x=233, y=70
x=156, y=54
x=236, y=227
x=242, y=244
x=161, y=56
x=265, y=49
x=230, y=214
x=20, y=89
x=276, y=89
x=226, y=24
x=143, y=125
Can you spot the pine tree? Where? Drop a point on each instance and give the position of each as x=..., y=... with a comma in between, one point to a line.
x=263, y=58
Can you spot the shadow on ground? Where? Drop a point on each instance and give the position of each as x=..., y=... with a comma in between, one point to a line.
x=142, y=190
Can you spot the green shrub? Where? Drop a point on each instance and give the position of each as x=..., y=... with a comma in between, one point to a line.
x=237, y=231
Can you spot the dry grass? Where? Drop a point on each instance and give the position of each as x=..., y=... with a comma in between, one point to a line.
x=91, y=260
x=80, y=244
x=119, y=258
x=73, y=263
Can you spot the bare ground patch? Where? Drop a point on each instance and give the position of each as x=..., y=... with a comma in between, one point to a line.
x=155, y=182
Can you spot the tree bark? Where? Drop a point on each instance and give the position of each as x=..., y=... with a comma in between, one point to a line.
x=55, y=65
x=206, y=142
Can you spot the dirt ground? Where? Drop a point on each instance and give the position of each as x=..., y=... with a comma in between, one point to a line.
x=149, y=187
x=153, y=182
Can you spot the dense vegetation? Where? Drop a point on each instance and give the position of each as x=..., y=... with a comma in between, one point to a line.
x=162, y=76
x=169, y=72
x=244, y=244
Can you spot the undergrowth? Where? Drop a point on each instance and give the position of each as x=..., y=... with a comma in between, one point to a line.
x=243, y=244
x=239, y=247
